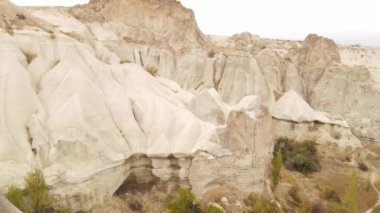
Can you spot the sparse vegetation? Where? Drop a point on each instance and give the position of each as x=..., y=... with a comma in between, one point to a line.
x=294, y=197
x=349, y=204
x=35, y=198
x=16, y=197
x=332, y=196
x=213, y=209
x=183, y=202
x=276, y=167
x=300, y=157
x=260, y=204
x=335, y=208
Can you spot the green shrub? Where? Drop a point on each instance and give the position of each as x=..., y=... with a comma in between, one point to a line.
x=38, y=197
x=15, y=196
x=300, y=157
x=213, y=209
x=184, y=202
x=276, y=167
x=260, y=204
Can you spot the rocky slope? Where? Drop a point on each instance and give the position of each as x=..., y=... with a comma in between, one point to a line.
x=132, y=93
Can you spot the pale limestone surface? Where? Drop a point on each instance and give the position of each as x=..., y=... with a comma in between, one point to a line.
x=84, y=115
x=292, y=107
x=77, y=101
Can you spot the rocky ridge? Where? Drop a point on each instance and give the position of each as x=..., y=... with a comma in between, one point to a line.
x=132, y=92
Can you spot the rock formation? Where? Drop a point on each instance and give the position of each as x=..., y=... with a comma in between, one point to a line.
x=131, y=93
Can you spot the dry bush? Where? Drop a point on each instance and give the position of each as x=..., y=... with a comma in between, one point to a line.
x=362, y=166
x=294, y=197
x=20, y=16
x=331, y=195
x=260, y=204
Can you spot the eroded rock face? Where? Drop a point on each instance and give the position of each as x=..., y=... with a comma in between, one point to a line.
x=131, y=94
x=246, y=174
x=321, y=133
x=165, y=173
x=292, y=107
x=249, y=128
x=315, y=55
x=259, y=66
x=352, y=96
x=173, y=24
x=83, y=115
x=248, y=134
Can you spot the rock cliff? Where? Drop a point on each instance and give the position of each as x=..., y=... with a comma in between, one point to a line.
x=132, y=94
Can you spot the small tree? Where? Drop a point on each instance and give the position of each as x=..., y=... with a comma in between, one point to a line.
x=36, y=188
x=351, y=197
x=276, y=167
x=15, y=196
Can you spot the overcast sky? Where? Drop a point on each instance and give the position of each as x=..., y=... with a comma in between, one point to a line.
x=346, y=21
